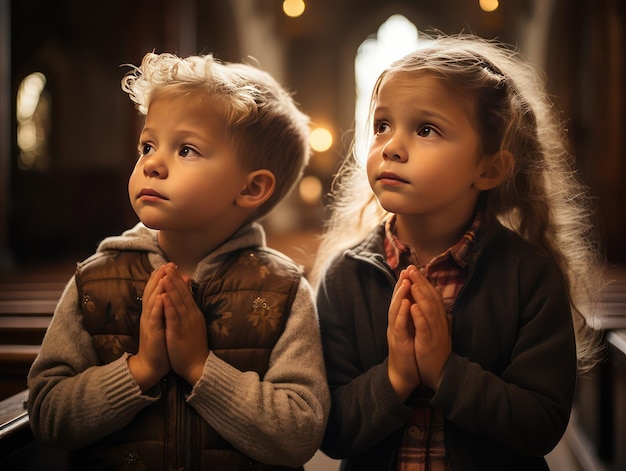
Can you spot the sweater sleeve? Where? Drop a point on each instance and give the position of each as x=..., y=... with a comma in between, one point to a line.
x=73, y=401
x=280, y=418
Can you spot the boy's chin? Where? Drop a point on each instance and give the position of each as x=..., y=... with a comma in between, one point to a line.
x=151, y=224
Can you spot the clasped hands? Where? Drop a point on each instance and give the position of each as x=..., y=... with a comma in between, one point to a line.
x=172, y=331
x=418, y=334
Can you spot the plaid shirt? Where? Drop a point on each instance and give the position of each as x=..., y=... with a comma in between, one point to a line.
x=423, y=445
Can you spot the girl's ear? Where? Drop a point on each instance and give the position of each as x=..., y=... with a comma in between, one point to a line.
x=494, y=170
x=259, y=187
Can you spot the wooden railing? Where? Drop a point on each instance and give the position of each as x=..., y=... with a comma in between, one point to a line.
x=597, y=430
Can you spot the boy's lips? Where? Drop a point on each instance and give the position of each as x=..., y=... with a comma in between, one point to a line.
x=150, y=193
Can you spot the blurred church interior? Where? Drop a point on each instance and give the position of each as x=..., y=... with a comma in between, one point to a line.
x=68, y=143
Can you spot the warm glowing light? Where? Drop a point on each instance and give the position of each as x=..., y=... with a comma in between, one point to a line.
x=310, y=189
x=321, y=139
x=32, y=113
x=489, y=5
x=28, y=95
x=27, y=136
x=293, y=8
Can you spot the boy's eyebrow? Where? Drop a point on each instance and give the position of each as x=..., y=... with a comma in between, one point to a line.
x=143, y=130
x=182, y=133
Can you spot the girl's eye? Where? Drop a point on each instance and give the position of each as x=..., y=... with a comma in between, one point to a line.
x=381, y=127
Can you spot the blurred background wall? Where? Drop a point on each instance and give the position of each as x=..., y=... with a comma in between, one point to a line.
x=65, y=161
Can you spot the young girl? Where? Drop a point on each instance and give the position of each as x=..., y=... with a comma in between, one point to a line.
x=453, y=292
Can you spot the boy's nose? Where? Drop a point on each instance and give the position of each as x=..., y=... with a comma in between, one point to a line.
x=154, y=167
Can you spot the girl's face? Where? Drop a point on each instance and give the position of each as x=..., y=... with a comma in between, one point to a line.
x=424, y=157
x=187, y=175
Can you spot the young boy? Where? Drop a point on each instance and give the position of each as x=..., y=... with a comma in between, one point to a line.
x=186, y=342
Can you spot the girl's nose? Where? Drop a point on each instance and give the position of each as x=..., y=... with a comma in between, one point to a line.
x=154, y=166
x=394, y=149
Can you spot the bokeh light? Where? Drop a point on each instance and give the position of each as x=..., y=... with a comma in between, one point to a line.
x=293, y=8
x=321, y=139
x=489, y=5
x=310, y=189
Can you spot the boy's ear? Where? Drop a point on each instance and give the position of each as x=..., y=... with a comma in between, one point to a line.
x=259, y=187
x=495, y=169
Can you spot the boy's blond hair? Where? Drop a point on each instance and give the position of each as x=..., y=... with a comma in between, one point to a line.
x=263, y=123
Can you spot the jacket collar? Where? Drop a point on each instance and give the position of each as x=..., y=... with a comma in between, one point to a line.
x=372, y=247
x=140, y=238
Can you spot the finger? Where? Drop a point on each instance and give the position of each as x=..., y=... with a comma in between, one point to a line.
x=152, y=288
x=421, y=285
x=170, y=313
x=423, y=332
x=172, y=291
x=427, y=296
x=180, y=297
x=432, y=349
x=179, y=283
x=172, y=272
x=400, y=293
x=403, y=276
x=410, y=273
x=156, y=313
x=400, y=326
x=155, y=276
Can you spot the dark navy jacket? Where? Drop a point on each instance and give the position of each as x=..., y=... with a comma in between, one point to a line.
x=508, y=387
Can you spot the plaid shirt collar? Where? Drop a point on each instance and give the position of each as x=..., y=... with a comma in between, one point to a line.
x=399, y=255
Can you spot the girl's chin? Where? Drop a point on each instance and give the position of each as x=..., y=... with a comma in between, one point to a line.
x=392, y=206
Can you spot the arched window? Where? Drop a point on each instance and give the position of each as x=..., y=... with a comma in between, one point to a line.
x=395, y=38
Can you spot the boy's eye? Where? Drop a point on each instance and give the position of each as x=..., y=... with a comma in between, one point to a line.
x=425, y=131
x=187, y=151
x=145, y=149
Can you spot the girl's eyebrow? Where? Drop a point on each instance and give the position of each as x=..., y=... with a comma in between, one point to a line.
x=433, y=114
x=424, y=114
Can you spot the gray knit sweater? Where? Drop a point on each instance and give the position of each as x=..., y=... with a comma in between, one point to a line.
x=278, y=419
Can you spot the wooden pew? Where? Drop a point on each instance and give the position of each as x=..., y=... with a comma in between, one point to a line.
x=27, y=303
x=18, y=448
x=26, y=308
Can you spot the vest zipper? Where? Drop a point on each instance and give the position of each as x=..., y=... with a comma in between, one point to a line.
x=182, y=436
x=188, y=444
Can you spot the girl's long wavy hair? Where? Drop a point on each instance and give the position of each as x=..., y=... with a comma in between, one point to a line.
x=543, y=199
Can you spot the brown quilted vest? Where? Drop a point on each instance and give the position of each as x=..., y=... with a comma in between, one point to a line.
x=246, y=303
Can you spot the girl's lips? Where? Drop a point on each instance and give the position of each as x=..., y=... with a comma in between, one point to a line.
x=388, y=177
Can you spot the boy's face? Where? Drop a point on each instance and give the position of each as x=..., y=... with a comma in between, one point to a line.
x=424, y=156
x=187, y=176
